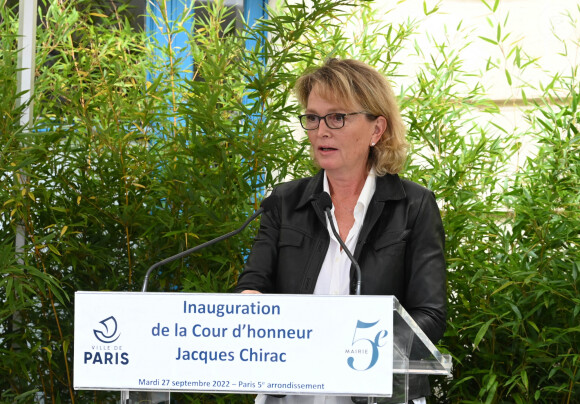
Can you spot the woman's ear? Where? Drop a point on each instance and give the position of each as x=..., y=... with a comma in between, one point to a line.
x=379, y=129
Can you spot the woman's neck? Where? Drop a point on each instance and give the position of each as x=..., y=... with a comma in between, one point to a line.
x=344, y=192
x=346, y=187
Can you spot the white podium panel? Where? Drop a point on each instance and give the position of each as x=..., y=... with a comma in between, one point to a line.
x=276, y=344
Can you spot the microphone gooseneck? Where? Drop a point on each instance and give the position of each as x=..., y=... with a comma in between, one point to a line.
x=266, y=205
x=325, y=203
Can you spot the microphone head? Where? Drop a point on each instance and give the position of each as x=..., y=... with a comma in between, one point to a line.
x=268, y=203
x=324, y=201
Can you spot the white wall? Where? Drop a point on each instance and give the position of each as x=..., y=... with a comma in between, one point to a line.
x=532, y=24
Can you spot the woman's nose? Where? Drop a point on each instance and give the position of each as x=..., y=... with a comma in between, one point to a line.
x=323, y=129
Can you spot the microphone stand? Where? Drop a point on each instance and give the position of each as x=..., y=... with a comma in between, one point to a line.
x=199, y=247
x=326, y=203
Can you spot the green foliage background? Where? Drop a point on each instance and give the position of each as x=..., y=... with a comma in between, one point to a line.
x=131, y=159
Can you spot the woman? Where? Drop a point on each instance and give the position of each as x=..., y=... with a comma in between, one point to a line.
x=392, y=225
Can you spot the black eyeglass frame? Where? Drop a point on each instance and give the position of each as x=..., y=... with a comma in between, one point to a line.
x=342, y=115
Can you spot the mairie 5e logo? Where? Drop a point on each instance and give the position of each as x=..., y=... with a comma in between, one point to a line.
x=364, y=348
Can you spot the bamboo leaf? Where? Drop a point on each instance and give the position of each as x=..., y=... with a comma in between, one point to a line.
x=502, y=287
x=508, y=77
x=53, y=249
x=488, y=40
x=481, y=333
x=524, y=376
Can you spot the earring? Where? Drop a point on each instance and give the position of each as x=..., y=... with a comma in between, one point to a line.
x=373, y=144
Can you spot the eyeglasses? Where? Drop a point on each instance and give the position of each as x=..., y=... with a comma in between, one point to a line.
x=334, y=120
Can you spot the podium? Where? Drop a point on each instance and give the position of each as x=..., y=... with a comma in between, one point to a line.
x=356, y=346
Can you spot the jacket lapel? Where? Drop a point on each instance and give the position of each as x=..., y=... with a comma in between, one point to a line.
x=389, y=188
x=311, y=194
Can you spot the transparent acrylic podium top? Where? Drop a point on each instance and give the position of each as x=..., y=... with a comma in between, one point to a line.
x=413, y=352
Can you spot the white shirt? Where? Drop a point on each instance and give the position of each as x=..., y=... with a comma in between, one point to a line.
x=334, y=279
x=334, y=276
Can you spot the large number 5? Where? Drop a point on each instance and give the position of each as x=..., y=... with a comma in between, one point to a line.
x=375, y=344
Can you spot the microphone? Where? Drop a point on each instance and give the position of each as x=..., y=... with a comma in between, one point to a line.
x=266, y=205
x=325, y=203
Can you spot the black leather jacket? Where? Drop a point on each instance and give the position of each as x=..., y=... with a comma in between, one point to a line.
x=400, y=249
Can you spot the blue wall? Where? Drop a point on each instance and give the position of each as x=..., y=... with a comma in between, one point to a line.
x=253, y=10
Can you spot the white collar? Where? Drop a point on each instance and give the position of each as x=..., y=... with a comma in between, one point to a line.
x=365, y=196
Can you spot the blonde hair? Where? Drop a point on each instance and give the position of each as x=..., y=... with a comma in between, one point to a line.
x=355, y=83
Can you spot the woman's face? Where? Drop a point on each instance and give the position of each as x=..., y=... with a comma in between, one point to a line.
x=342, y=152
